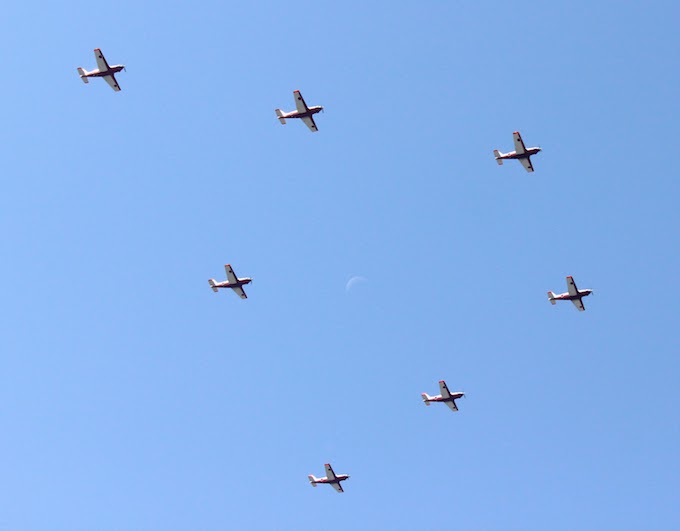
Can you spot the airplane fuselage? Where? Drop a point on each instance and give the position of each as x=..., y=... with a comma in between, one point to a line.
x=97, y=73
x=338, y=479
x=569, y=297
x=525, y=155
x=440, y=398
x=227, y=284
x=295, y=114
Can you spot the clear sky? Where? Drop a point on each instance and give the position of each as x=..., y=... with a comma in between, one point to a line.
x=133, y=397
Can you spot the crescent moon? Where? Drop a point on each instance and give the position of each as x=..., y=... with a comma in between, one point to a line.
x=354, y=281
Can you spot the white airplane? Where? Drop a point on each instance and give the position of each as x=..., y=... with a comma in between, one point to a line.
x=306, y=114
x=331, y=478
x=447, y=397
x=521, y=153
x=574, y=295
x=103, y=70
x=232, y=282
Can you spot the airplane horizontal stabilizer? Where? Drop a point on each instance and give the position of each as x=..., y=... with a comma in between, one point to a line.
x=425, y=398
x=497, y=154
x=312, y=480
x=551, y=298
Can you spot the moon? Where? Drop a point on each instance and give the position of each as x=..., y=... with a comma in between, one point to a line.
x=354, y=281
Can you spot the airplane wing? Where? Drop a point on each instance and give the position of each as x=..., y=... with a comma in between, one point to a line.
x=309, y=122
x=240, y=292
x=111, y=80
x=337, y=487
x=101, y=62
x=329, y=472
x=231, y=276
x=571, y=286
x=444, y=390
x=519, y=143
x=579, y=304
x=452, y=405
x=300, y=102
x=527, y=164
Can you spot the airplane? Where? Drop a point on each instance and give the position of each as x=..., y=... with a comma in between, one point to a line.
x=521, y=153
x=232, y=282
x=331, y=478
x=447, y=396
x=574, y=295
x=103, y=70
x=306, y=114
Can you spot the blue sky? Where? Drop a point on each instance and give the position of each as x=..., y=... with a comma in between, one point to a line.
x=133, y=397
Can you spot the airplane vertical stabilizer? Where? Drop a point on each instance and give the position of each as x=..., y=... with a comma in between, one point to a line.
x=82, y=74
x=498, y=154
x=212, y=285
x=282, y=118
x=426, y=398
x=312, y=480
x=551, y=298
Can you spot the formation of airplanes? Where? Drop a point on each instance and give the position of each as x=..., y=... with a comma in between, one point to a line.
x=302, y=111
x=235, y=283
x=447, y=397
x=573, y=294
x=333, y=479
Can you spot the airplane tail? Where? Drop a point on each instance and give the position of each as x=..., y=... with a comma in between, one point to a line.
x=426, y=398
x=212, y=285
x=282, y=118
x=551, y=298
x=498, y=154
x=83, y=75
x=312, y=480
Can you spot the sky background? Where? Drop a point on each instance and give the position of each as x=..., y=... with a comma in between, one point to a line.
x=133, y=397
